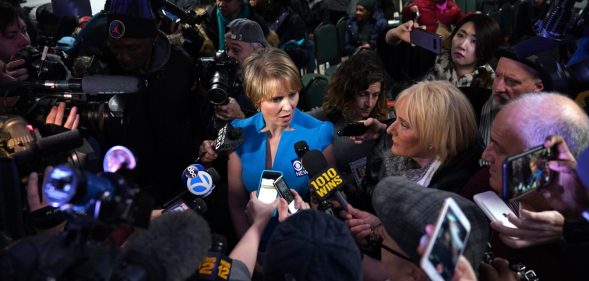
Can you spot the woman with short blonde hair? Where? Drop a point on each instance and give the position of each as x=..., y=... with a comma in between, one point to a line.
x=433, y=139
x=443, y=117
x=272, y=82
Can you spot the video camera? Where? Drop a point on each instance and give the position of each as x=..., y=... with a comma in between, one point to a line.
x=40, y=69
x=218, y=74
x=98, y=98
x=560, y=26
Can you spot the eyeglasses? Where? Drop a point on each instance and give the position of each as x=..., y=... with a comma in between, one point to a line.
x=396, y=253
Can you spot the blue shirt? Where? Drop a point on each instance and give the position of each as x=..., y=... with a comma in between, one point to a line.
x=317, y=134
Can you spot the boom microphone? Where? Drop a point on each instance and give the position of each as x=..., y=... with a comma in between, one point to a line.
x=49, y=145
x=93, y=85
x=171, y=249
x=326, y=181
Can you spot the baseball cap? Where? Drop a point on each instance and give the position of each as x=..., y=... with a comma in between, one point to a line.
x=246, y=30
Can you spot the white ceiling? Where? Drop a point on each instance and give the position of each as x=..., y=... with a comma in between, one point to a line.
x=96, y=5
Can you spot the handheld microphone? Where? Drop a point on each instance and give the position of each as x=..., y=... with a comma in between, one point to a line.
x=301, y=148
x=200, y=182
x=93, y=85
x=216, y=266
x=326, y=181
x=171, y=249
x=228, y=139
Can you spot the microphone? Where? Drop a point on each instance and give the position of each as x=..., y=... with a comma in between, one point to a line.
x=93, y=85
x=49, y=145
x=228, y=139
x=326, y=181
x=216, y=266
x=301, y=148
x=200, y=182
x=171, y=249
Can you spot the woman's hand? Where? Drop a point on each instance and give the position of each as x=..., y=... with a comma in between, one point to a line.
x=401, y=33
x=375, y=129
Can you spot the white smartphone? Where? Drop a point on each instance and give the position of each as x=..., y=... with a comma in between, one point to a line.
x=494, y=207
x=447, y=243
x=267, y=193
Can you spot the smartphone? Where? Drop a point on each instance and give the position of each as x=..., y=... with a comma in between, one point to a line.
x=525, y=172
x=353, y=129
x=427, y=40
x=494, y=207
x=284, y=192
x=267, y=193
x=447, y=243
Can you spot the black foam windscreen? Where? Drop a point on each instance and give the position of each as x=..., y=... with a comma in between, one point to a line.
x=314, y=162
x=107, y=84
x=178, y=241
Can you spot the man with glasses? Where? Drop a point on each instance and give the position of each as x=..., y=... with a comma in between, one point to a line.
x=515, y=76
x=405, y=209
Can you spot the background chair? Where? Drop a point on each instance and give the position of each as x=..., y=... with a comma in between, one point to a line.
x=341, y=26
x=314, y=86
x=326, y=46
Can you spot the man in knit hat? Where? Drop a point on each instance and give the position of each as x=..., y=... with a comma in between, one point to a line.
x=159, y=123
x=405, y=220
x=364, y=28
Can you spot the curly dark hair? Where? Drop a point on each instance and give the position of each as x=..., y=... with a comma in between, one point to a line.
x=352, y=77
x=9, y=13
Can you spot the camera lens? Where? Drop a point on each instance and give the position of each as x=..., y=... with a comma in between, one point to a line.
x=218, y=90
x=61, y=185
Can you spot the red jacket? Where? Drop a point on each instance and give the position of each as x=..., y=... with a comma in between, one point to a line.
x=430, y=14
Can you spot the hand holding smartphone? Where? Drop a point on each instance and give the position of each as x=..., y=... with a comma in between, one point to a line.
x=284, y=192
x=526, y=171
x=266, y=191
x=494, y=207
x=447, y=243
x=427, y=40
x=353, y=129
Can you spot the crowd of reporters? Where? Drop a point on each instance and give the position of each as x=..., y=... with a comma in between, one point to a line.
x=149, y=86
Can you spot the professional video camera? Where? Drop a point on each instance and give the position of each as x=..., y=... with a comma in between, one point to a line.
x=560, y=26
x=22, y=150
x=218, y=74
x=39, y=68
x=98, y=98
x=169, y=14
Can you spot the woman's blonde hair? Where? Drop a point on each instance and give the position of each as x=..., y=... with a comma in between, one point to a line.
x=443, y=117
x=264, y=70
